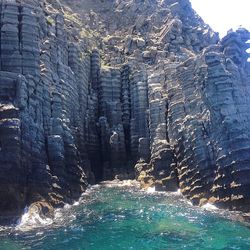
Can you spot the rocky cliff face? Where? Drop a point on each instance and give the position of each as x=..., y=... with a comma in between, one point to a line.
x=90, y=89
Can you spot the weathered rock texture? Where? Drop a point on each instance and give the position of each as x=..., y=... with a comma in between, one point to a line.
x=90, y=88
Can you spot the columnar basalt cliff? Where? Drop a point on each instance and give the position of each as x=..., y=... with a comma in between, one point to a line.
x=93, y=90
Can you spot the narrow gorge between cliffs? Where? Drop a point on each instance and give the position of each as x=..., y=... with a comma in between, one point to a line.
x=102, y=90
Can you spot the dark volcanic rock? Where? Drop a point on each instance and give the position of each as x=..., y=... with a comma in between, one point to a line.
x=89, y=89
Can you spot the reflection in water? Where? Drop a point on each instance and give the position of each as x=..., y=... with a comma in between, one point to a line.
x=120, y=216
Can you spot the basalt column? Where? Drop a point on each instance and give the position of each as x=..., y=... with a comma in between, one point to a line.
x=139, y=131
x=20, y=54
x=91, y=129
x=44, y=86
x=111, y=125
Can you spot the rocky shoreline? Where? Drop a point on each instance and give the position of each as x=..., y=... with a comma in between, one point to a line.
x=96, y=90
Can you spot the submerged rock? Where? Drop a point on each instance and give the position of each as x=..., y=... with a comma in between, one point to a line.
x=90, y=89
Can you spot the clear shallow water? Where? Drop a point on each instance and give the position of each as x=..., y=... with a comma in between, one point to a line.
x=116, y=217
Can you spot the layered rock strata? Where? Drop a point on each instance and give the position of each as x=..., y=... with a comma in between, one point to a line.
x=90, y=89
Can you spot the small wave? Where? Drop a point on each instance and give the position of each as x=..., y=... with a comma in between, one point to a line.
x=31, y=220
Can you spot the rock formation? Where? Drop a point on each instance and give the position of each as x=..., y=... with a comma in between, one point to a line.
x=90, y=89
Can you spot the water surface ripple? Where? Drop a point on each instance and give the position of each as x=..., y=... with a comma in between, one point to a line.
x=123, y=217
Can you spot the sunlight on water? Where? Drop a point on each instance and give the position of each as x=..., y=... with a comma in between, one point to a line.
x=121, y=216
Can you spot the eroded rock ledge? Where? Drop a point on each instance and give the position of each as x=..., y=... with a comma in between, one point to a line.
x=90, y=89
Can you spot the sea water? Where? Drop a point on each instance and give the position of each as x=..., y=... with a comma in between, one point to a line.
x=112, y=216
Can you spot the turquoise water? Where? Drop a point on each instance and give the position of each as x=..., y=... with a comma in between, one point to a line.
x=118, y=217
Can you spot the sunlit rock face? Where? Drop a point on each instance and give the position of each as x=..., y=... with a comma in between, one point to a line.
x=208, y=123
x=90, y=89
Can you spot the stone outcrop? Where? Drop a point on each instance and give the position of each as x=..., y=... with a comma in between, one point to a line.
x=90, y=89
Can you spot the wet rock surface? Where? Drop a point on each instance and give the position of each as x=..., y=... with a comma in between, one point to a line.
x=90, y=89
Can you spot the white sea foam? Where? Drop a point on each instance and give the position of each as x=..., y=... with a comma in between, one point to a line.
x=31, y=220
x=209, y=206
x=93, y=187
x=67, y=206
x=118, y=183
x=77, y=203
x=58, y=213
x=150, y=190
x=177, y=193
